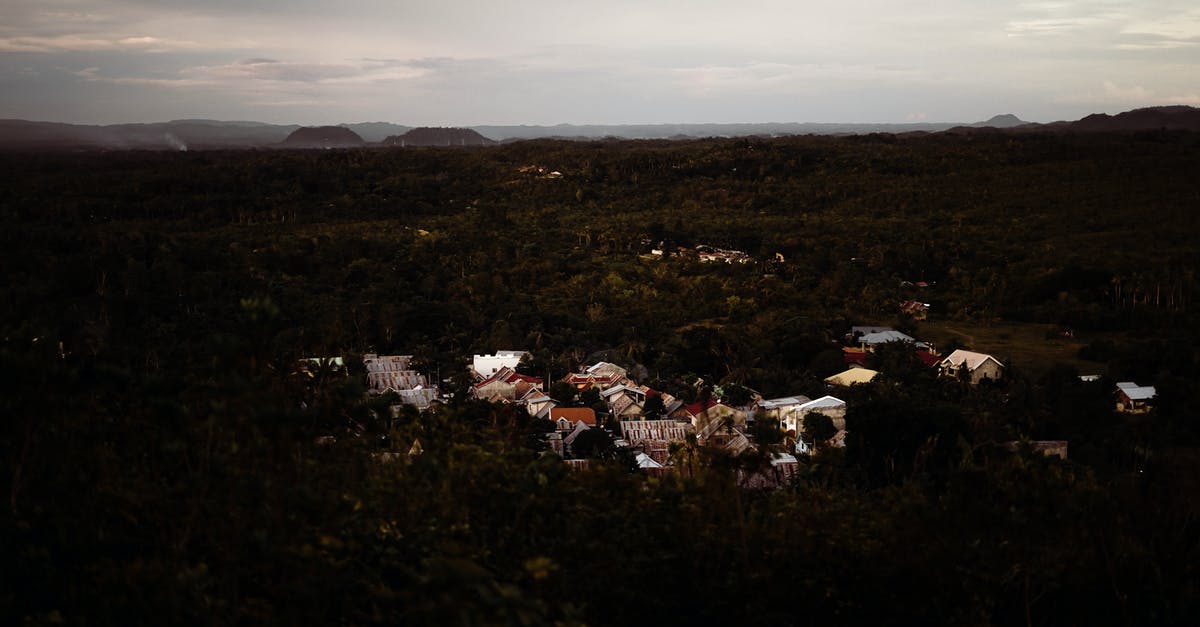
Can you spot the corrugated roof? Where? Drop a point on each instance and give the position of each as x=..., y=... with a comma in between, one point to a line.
x=776, y=403
x=883, y=337
x=1140, y=392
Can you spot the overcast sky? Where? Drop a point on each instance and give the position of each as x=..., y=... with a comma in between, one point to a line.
x=463, y=62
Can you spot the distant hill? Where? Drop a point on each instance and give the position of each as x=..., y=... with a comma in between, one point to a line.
x=323, y=137
x=1172, y=118
x=430, y=136
x=376, y=132
x=173, y=135
x=200, y=134
x=1005, y=120
x=694, y=131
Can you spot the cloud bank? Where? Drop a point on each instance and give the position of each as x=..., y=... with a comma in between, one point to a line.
x=542, y=62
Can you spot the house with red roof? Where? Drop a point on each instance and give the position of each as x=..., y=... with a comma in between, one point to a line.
x=702, y=413
x=506, y=385
x=915, y=308
x=565, y=418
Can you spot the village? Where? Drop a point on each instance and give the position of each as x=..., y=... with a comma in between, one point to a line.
x=602, y=410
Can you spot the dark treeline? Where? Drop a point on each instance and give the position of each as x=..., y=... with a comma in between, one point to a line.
x=159, y=457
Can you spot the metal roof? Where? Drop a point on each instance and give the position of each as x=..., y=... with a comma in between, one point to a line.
x=824, y=401
x=972, y=359
x=776, y=403
x=883, y=337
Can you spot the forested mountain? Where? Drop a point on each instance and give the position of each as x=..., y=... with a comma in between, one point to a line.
x=21, y=135
x=164, y=459
x=428, y=136
x=323, y=137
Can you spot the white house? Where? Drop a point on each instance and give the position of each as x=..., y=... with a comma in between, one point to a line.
x=830, y=406
x=979, y=366
x=780, y=409
x=485, y=366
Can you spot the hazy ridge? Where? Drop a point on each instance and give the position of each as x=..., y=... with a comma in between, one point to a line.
x=201, y=134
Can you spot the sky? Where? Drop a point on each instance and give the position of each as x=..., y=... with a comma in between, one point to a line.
x=472, y=62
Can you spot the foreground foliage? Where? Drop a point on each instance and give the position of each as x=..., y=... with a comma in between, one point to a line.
x=163, y=465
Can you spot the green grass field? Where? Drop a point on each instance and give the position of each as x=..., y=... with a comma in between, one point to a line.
x=1025, y=345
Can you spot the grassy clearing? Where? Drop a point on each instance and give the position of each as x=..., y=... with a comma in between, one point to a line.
x=1027, y=345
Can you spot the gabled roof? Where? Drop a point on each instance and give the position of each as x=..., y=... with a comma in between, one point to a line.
x=535, y=395
x=852, y=376
x=580, y=427
x=508, y=375
x=825, y=402
x=696, y=409
x=971, y=359
x=603, y=368
x=574, y=414
x=776, y=403
x=1135, y=392
x=617, y=389
x=672, y=406
x=644, y=461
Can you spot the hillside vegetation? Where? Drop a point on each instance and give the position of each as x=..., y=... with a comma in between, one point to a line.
x=159, y=458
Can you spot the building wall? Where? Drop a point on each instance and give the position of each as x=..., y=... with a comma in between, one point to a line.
x=718, y=413
x=488, y=365
x=989, y=370
x=506, y=391
x=1127, y=406
x=836, y=414
x=783, y=413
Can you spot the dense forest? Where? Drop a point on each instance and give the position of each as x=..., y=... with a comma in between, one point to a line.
x=163, y=464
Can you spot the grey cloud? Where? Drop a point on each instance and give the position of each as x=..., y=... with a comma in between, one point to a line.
x=1155, y=41
x=273, y=70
